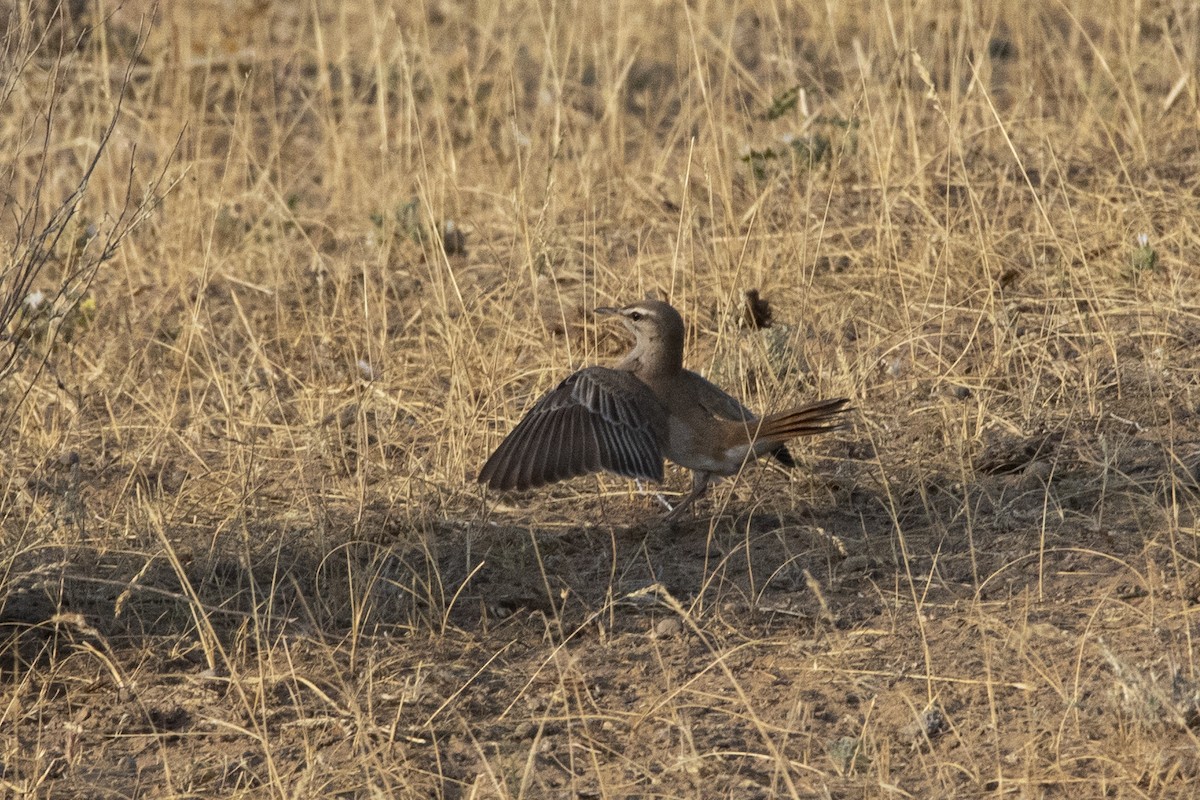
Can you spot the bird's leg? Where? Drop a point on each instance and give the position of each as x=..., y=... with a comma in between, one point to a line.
x=657, y=495
x=699, y=487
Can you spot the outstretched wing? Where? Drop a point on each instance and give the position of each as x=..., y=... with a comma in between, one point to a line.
x=596, y=419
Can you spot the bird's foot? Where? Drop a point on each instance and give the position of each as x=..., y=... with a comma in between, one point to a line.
x=673, y=514
x=662, y=500
x=699, y=488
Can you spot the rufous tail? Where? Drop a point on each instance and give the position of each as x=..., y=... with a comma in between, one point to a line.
x=819, y=417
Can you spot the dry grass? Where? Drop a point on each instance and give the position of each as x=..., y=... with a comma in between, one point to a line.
x=243, y=551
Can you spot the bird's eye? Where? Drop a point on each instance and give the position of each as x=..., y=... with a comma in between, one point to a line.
x=635, y=315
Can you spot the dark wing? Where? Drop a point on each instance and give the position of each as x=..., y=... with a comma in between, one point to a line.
x=596, y=419
x=717, y=402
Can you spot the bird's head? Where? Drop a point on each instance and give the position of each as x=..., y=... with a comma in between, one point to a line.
x=648, y=320
x=657, y=330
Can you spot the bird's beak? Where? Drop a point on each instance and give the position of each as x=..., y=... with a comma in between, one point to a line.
x=605, y=311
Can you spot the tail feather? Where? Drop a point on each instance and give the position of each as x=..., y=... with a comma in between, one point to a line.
x=820, y=417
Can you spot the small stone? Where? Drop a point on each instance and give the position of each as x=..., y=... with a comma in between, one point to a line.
x=931, y=724
x=667, y=628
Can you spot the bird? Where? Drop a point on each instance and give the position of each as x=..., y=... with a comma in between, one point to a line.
x=626, y=419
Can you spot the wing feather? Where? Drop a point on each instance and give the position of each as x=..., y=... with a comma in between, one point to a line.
x=596, y=419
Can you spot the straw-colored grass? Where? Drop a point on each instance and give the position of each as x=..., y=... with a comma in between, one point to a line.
x=243, y=550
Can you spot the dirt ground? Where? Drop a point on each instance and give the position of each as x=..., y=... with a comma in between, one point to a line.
x=244, y=552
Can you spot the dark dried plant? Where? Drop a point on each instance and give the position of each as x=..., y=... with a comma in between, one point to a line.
x=39, y=229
